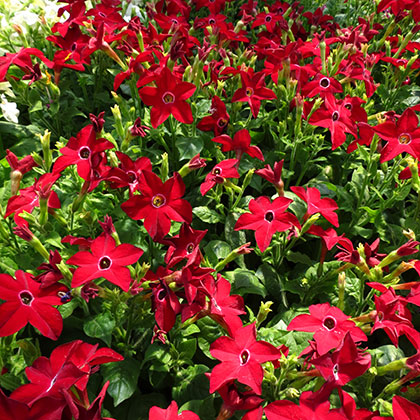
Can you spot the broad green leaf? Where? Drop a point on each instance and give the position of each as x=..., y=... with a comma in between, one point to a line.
x=203, y=407
x=244, y=282
x=216, y=250
x=122, y=377
x=187, y=348
x=191, y=384
x=100, y=326
x=207, y=215
x=188, y=147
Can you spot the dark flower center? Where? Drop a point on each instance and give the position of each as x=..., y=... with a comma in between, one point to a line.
x=335, y=371
x=132, y=176
x=84, y=152
x=174, y=21
x=190, y=248
x=249, y=91
x=269, y=216
x=221, y=122
x=380, y=316
x=168, y=98
x=348, y=106
x=217, y=171
x=73, y=46
x=404, y=138
x=335, y=116
x=324, y=82
x=26, y=297
x=244, y=356
x=212, y=21
x=161, y=295
x=105, y=263
x=268, y=18
x=329, y=323
x=158, y=200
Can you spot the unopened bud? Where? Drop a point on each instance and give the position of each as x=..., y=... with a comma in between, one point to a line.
x=164, y=168
x=15, y=178
x=263, y=312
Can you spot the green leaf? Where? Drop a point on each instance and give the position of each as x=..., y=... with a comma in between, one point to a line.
x=216, y=250
x=191, y=384
x=156, y=352
x=270, y=278
x=187, y=348
x=203, y=407
x=388, y=353
x=100, y=326
x=207, y=215
x=122, y=377
x=30, y=351
x=209, y=331
x=244, y=282
x=9, y=381
x=188, y=147
x=67, y=309
x=191, y=329
x=298, y=257
x=296, y=341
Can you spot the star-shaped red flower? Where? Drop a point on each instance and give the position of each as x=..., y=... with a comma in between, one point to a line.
x=325, y=206
x=107, y=261
x=168, y=97
x=241, y=358
x=26, y=302
x=267, y=218
x=253, y=91
x=159, y=203
x=329, y=324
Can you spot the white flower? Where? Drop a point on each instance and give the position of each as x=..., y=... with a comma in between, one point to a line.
x=9, y=109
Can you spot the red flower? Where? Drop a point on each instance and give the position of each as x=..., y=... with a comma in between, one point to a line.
x=29, y=197
x=402, y=136
x=224, y=308
x=19, y=168
x=321, y=85
x=52, y=274
x=27, y=303
x=253, y=90
x=241, y=144
x=168, y=97
x=241, y=358
x=403, y=409
x=218, y=120
x=45, y=409
x=184, y=246
x=337, y=118
x=392, y=315
x=107, y=261
x=329, y=324
x=158, y=204
x=325, y=206
x=309, y=409
x=85, y=357
x=80, y=150
x=234, y=400
x=224, y=169
x=273, y=176
x=344, y=364
x=128, y=172
x=171, y=413
x=267, y=218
